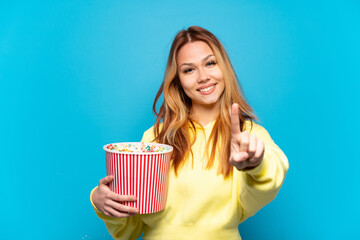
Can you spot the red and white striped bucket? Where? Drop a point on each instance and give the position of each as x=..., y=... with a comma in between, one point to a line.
x=144, y=175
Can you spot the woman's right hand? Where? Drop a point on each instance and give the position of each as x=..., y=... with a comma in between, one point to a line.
x=110, y=203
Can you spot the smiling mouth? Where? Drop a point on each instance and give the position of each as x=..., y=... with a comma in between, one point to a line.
x=207, y=88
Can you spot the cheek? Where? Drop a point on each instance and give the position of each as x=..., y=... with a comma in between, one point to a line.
x=186, y=83
x=217, y=74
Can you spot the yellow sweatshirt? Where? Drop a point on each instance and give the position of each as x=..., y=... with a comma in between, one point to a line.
x=202, y=204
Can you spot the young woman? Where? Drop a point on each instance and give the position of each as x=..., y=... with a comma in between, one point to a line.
x=225, y=167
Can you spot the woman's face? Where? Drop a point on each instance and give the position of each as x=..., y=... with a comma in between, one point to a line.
x=199, y=73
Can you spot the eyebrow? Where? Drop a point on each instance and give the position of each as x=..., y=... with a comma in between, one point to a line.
x=204, y=59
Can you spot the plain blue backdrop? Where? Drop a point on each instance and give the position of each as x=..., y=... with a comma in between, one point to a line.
x=76, y=75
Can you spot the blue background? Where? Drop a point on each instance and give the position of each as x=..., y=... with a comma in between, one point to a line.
x=76, y=75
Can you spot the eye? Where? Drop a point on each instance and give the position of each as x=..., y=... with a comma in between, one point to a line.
x=188, y=70
x=211, y=63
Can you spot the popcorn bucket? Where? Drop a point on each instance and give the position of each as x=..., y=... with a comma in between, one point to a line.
x=141, y=170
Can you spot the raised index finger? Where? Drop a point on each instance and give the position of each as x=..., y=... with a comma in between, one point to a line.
x=235, y=123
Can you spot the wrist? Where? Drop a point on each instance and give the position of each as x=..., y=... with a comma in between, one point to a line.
x=93, y=198
x=250, y=167
x=258, y=170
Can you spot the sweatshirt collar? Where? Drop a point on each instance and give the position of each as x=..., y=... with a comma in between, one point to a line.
x=206, y=127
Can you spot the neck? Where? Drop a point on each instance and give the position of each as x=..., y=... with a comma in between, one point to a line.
x=204, y=114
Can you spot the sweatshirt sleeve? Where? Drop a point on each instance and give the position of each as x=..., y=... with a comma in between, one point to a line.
x=261, y=184
x=121, y=228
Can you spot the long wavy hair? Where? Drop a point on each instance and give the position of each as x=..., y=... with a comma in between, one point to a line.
x=174, y=111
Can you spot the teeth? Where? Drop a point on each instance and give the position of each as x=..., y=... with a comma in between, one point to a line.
x=206, y=89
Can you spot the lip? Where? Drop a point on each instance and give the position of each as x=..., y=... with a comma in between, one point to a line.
x=209, y=91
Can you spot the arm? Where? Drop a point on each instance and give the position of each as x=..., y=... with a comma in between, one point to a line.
x=261, y=165
x=262, y=183
x=120, y=224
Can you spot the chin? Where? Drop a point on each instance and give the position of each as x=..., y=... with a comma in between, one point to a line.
x=209, y=103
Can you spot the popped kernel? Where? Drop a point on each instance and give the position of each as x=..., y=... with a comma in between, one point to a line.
x=136, y=148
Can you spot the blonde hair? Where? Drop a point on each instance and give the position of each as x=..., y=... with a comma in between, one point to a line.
x=175, y=109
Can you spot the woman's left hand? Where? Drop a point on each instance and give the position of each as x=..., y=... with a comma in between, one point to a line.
x=246, y=150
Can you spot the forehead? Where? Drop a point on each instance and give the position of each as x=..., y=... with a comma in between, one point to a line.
x=193, y=52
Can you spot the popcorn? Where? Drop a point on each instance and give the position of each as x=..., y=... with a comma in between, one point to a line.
x=136, y=148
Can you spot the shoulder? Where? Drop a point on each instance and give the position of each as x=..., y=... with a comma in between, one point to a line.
x=148, y=135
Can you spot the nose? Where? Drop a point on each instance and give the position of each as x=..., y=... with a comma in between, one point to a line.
x=203, y=75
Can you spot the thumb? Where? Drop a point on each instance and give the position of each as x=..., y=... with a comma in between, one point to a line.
x=106, y=180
